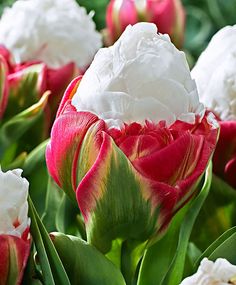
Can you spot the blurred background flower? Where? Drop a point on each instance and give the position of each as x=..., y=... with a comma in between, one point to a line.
x=203, y=19
x=168, y=15
x=43, y=46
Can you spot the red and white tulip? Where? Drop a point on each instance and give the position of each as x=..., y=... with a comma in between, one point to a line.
x=14, y=226
x=131, y=139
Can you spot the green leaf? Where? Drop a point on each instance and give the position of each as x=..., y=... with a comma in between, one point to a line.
x=158, y=257
x=35, y=158
x=193, y=253
x=224, y=246
x=175, y=272
x=41, y=251
x=217, y=214
x=226, y=250
x=14, y=128
x=38, y=186
x=223, y=192
x=31, y=273
x=68, y=219
x=52, y=267
x=84, y=264
x=53, y=199
x=35, y=170
x=26, y=81
x=18, y=162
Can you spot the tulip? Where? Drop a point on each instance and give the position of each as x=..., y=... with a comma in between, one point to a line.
x=131, y=140
x=55, y=32
x=45, y=43
x=168, y=15
x=215, y=75
x=14, y=227
x=209, y=273
x=32, y=79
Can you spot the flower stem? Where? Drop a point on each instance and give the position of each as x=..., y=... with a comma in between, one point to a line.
x=131, y=253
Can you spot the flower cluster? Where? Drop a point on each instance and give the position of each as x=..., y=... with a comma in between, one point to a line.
x=131, y=143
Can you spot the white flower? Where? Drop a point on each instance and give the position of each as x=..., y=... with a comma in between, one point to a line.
x=54, y=31
x=215, y=74
x=142, y=76
x=13, y=203
x=220, y=272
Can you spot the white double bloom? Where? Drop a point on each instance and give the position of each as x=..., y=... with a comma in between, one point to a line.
x=220, y=272
x=142, y=76
x=54, y=31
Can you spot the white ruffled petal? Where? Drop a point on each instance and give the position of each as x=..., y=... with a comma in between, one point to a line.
x=54, y=31
x=219, y=272
x=215, y=74
x=141, y=77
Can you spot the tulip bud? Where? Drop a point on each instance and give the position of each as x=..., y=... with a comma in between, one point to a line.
x=14, y=226
x=209, y=273
x=215, y=75
x=168, y=15
x=131, y=140
x=33, y=79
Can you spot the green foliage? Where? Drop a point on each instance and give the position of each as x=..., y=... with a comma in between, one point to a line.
x=224, y=246
x=204, y=19
x=84, y=264
x=168, y=257
x=53, y=271
x=5, y=3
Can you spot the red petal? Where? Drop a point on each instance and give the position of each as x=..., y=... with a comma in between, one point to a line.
x=225, y=153
x=163, y=14
x=69, y=93
x=230, y=172
x=174, y=162
x=21, y=249
x=66, y=138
